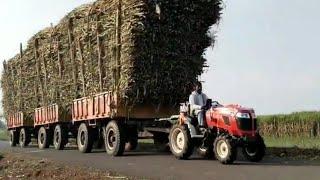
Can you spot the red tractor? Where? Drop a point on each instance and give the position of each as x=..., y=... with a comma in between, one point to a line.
x=227, y=128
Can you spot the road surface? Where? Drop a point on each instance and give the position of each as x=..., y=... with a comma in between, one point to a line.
x=157, y=165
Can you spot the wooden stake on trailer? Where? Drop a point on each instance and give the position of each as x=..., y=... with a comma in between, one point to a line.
x=118, y=45
x=36, y=56
x=72, y=56
x=99, y=55
x=81, y=67
x=20, y=79
x=60, y=65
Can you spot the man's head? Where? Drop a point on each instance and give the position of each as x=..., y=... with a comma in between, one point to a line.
x=198, y=87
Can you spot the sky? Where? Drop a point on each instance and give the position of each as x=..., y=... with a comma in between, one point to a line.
x=266, y=54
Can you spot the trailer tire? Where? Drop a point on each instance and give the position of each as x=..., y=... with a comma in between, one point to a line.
x=85, y=138
x=13, y=138
x=60, y=137
x=24, y=137
x=255, y=152
x=225, y=150
x=43, y=138
x=114, y=138
x=180, y=142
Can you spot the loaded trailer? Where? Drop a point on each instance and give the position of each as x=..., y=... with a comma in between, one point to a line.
x=96, y=120
x=101, y=119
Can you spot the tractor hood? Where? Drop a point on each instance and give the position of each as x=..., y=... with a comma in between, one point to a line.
x=233, y=110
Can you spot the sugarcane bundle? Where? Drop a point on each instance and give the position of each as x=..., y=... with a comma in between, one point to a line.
x=146, y=51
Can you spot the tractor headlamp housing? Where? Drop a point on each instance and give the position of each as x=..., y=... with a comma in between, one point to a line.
x=243, y=115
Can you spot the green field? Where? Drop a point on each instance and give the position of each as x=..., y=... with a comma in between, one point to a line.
x=288, y=142
x=3, y=134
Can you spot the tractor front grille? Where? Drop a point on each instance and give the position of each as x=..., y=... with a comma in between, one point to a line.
x=245, y=124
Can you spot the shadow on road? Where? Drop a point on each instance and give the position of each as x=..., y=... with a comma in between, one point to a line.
x=275, y=156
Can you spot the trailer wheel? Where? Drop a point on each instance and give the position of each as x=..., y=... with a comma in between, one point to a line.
x=114, y=138
x=43, y=138
x=60, y=137
x=225, y=150
x=13, y=138
x=24, y=138
x=85, y=138
x=255, y=152
x=180, y=142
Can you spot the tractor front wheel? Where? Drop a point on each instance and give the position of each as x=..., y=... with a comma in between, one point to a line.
x=255, y=151
x=225, y=150
x=180, y=142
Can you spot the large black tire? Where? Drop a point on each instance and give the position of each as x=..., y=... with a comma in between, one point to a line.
x=85, y=138
x=60, y=137
x=255, y=151
x=14, y=138
x=225, y=150
x=180, y=142
x=114, y=138
x=132, y=139
x=43, y=138
x=24, y=137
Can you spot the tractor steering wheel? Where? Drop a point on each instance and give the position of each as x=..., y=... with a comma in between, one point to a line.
x=216, y=104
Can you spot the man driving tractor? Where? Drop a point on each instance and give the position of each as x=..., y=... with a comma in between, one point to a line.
x=198, y=101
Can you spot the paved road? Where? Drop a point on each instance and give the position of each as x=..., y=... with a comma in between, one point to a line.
x=164, y=166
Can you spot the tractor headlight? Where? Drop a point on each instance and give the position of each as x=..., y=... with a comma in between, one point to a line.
x=243, y=115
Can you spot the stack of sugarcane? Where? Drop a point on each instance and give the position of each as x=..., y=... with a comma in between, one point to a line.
x=148, y=51
x=298, y=124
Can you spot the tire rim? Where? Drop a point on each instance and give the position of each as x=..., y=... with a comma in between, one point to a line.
x=21, y=138
x=251, y=151
x=82, y=138
x=42, y=138
x=222, y=149
x=11, y=138
x=56, y=137
x=111, y=139
x=178, y=140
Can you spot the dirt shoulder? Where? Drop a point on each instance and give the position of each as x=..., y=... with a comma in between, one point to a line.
x=16, y=166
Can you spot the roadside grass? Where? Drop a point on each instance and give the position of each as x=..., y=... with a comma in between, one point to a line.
x=288, y=142
x=3, y=135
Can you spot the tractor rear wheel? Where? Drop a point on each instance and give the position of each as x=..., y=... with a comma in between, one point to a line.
x=84, y=138
x=255, y=151
x=24, y=138
x=13, y=138
x=43, y=138
x=114, y=138
x=60, y=137
x=180, y=142
x=225, y=150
